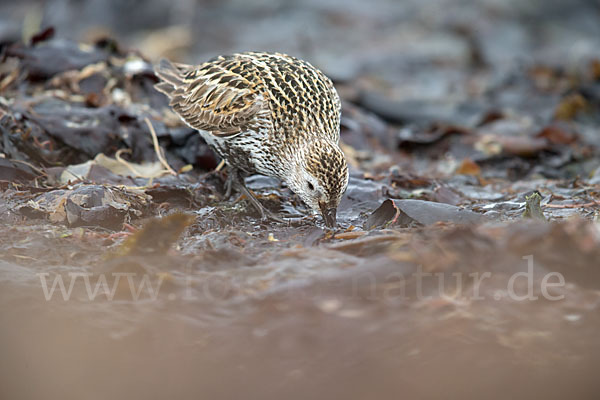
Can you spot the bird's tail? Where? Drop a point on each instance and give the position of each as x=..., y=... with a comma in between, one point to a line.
x=171, y=76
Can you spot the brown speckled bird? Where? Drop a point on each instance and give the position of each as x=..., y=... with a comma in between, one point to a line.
x=265, y=113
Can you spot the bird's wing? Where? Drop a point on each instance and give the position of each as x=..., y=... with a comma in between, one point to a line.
x=212, y=97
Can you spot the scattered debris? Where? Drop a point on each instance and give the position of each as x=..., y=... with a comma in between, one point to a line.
x=449, y=120
x=533, y=208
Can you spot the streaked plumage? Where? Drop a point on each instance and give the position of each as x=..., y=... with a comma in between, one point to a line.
x=265, y=113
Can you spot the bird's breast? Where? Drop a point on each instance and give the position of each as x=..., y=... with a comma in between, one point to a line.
x=251, y=151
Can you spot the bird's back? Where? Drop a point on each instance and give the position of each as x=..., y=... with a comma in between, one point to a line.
x=229, y=95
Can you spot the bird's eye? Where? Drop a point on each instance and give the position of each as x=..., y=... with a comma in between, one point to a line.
x=311, y=186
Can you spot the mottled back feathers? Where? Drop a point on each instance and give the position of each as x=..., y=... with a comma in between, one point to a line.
x=229, y=94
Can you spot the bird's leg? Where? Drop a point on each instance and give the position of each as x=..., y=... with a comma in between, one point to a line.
x=232, y=176
x=239, y=181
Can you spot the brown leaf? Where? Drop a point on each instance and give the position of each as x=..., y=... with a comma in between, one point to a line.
x=157, y=235
x=491, y=116
x=595, y=69
x=557, y=134
x=42, y=36
x=570, y=106
x=468, y=167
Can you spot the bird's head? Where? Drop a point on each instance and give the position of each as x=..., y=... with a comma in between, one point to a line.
x=320, y=178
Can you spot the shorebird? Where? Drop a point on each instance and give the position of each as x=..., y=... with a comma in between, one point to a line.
x=269, y=114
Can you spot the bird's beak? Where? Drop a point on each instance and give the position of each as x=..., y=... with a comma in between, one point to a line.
x=329, y=215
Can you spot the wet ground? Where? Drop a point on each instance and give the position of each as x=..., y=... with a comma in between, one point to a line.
x=465, y=263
